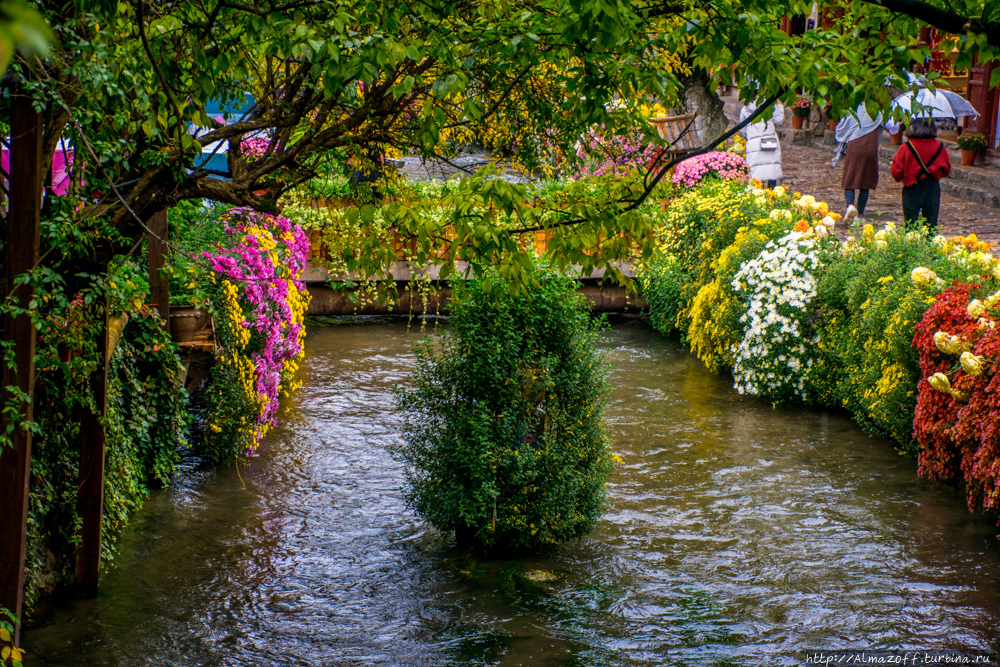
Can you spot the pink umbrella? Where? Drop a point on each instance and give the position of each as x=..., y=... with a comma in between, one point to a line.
x=61, y=161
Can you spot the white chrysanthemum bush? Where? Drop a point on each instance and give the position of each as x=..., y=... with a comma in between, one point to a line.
x=778, y=286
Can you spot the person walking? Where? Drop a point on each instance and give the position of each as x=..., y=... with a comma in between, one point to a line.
x=763, y=151
x=920, y=163
x=859, y=136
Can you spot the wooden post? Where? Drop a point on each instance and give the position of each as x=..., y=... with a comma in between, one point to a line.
x=983, y=99
x=90, y=498
x=159, y=285
x=22, y=255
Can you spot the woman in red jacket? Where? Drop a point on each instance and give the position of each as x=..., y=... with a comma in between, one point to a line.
x=920, y=163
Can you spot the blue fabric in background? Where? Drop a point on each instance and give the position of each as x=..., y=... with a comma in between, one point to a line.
x=227, y=112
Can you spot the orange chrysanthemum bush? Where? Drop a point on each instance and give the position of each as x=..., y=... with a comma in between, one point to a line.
x=957, y=420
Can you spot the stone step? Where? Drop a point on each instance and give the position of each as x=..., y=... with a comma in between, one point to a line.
x=959, y=187
x=987, y=177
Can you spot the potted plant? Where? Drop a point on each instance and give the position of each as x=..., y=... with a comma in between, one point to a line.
x=800, y=111
x=193, y=229
x=897, y=139
x=971, y=145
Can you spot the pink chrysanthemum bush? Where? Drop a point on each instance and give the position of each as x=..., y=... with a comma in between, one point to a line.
x=609, y=155
x=260, y=307
x=728, y=166
x=255, y=147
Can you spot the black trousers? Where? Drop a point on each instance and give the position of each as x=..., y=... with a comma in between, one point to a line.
x=922, y=198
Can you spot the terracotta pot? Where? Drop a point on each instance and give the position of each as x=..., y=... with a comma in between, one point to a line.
x=798, y=122
x=968, y=158
x=896, y=139
x=186, y=322
x=833, y=124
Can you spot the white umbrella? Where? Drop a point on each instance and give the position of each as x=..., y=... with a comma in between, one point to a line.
x=940, y=104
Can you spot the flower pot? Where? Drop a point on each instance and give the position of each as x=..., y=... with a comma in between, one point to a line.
x=833, y=124
x=968, y=158
x=798, y=122
x=186, y=322
x=896, y=139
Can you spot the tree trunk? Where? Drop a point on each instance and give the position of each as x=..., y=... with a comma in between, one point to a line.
x=699, y=99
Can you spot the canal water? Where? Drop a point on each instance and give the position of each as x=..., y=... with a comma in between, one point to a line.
x=737, y=535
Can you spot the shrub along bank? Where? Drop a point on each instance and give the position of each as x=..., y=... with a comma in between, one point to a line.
x=241, y=266
x=504, y=438
x=897, y=328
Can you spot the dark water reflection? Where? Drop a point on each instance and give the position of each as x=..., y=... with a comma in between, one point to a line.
x=738, y=535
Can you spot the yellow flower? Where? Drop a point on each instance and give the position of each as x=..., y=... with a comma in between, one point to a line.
x=971, y=364
x=976, y=308
x=943, y=342
x=922, y=277
x=940, y=382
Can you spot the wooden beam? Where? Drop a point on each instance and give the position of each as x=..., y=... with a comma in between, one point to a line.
x=22, y=255
x=159, y=285
x=90, y=498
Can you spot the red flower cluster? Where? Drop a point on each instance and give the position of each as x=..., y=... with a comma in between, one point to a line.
x=959, y=432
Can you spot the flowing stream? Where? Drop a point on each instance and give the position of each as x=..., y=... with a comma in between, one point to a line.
x=737, y=535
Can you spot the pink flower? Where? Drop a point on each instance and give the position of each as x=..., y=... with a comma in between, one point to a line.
x=729, y=166
x=263, y=292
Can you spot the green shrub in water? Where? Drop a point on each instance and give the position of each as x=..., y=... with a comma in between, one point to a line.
x=504, y=438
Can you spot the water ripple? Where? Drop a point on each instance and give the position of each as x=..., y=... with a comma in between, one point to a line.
x=736, y=534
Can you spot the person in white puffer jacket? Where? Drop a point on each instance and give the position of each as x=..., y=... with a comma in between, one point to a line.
x=763, y=152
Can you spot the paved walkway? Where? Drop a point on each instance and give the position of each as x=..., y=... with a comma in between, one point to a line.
x=807, y=170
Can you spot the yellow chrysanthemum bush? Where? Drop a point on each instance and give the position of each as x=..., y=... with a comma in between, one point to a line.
x=715, y=328
x=260, y=309
x=873, y=293
x=699, y=225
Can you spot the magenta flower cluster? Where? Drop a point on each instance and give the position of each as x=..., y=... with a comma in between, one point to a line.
x=729, y=166
x=265, y=255
x=599, y=155
x=255, y=147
